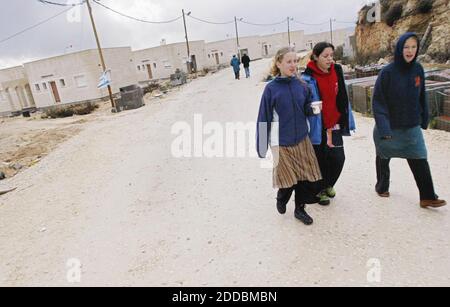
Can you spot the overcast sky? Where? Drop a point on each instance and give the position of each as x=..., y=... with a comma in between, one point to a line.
x=74, y=29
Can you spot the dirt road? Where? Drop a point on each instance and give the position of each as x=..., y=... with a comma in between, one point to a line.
x=115, y=202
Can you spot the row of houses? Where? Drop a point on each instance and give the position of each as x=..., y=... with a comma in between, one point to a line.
x=73, y=78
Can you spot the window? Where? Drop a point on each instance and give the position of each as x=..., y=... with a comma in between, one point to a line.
x=44, y=86
x=139, y=67
x=80, y=81
x=221, y=54
x=154, y=65
x=62, y=82
x=36, y=86
x=209, y=56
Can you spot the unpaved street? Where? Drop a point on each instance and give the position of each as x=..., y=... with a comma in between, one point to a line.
x=115, y=200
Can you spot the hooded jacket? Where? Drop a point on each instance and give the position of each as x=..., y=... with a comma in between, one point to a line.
x=288, y=101
x=399, y=99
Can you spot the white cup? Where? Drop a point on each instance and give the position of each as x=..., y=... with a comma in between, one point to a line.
x=316, y=107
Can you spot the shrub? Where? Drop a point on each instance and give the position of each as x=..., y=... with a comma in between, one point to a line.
x=59, y=112
x=425, y=6
x=393, y=14
x=84, y=109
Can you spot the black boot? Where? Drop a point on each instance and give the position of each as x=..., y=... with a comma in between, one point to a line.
x=283, y=197
x=301, y=214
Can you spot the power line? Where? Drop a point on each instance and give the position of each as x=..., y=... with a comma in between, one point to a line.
x=36, y=25
x=61, y=4
x=263, y=24
x=211, y=22
x=134, y=18
x=310, y=24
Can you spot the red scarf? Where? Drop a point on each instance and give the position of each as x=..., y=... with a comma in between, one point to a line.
x=328, y=88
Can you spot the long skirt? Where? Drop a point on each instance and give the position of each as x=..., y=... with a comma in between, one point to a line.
x=295, y=163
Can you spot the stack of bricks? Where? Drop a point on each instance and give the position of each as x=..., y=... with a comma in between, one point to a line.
x=443, y=122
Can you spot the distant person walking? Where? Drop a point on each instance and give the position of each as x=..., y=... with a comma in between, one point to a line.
x=236, y=67
x=246, y=62
x=282, y=124
x=400, y=108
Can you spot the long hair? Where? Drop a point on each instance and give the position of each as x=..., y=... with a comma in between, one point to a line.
x=319, y=48
x=274, y=70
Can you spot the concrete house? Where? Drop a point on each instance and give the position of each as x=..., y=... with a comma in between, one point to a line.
x=15, y=91
x=73, y=78
x=339, y=37
x=162, y=61
x=221, y=52
x=270, y=44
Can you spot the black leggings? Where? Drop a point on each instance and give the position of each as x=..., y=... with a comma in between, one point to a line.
x=305, y=193
x=331, y=160
x=421, y=171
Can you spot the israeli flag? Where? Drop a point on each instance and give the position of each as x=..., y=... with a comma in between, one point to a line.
x=105, y=79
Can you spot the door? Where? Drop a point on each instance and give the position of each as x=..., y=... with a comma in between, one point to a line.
x=194, y=63
x=217, y=58
x=149, y=70
x=55, y=91
x=266, y=51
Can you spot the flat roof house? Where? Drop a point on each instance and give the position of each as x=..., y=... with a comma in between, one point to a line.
x=162, y=61
x=15, y=91
x=73, y=78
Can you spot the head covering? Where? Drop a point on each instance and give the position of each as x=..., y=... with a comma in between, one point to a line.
x=398, y=58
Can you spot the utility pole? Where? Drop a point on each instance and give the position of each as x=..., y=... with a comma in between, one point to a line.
x=187, y=42
x=331, y=30
x=102, y=60
x=237, y=37
x=289, y=32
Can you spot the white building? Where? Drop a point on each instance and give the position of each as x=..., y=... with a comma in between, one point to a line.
x=339, y=37
x=73, y=78
x=15, y=92
x=270, y=44
x=162, y=61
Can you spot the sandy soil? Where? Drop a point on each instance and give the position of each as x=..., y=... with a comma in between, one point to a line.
x=115, y=199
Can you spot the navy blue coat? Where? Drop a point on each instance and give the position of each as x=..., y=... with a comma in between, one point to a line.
x=399, y=99
x=290, y=99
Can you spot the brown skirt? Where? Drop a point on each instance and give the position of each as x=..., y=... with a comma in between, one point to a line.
x=295, y=163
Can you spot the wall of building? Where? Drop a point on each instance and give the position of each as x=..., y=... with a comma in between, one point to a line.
x=74, y=77
x=270, y=44
x=339, y=37
x=15, y=93
x=164, y=60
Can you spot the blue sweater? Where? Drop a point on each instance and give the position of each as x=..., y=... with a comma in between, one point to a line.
x=399, y=99
x=290, y=99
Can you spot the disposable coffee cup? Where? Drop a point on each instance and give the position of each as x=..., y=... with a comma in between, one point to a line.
x=316, y=106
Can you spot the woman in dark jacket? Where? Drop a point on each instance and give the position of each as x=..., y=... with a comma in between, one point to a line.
x=400, y=108
x=327, y=79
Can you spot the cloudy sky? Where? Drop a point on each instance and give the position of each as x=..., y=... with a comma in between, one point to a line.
x=71, y=31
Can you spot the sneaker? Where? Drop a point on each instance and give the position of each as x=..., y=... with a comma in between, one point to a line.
x=331, y=192
x=301, y=215
x=324, y=200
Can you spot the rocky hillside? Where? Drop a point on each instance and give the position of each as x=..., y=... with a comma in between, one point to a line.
x=375, y=40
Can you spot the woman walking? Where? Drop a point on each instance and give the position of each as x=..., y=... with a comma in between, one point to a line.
x=327, y=84
x=282, y=124
x=400, y=108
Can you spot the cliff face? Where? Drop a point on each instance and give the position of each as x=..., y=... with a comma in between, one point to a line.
x=377, y=39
